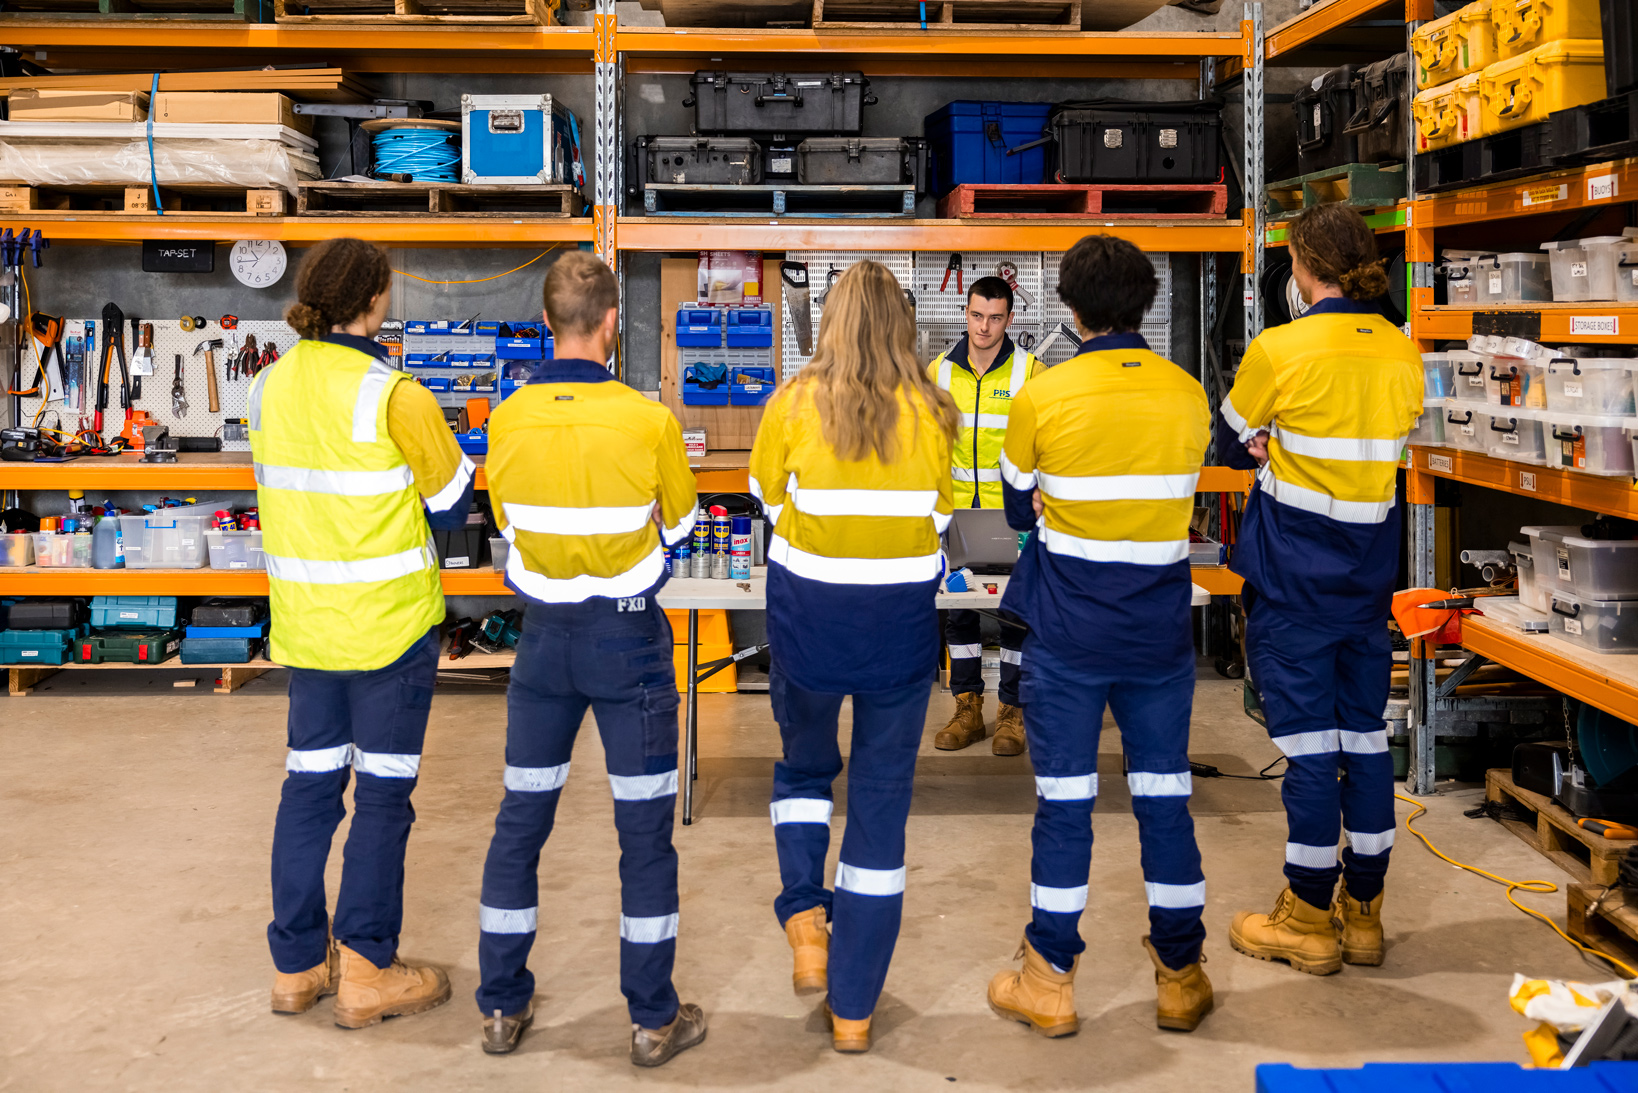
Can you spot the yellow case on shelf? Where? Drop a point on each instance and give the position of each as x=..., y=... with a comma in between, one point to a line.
x=1454, y=45
x=1556, y=76
x=1523, y=25
x=1449, y=114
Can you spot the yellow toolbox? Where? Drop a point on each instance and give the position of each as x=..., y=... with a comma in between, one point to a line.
x=1556, y=76
x=1459, y=43
x=1523, y=25
x=1449, y=114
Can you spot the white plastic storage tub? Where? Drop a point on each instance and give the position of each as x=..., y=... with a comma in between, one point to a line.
x=1531, y=594
x=1591, y=385
x=165, y=540
x=1444, y=373
x=62, y=551
x=1626, y=271
x=1516, y=381
x=1470, y=376
x=1584, y=269
x=1512, y=278
x=1596, y=445
x=1467, y=429
x=1595, y=569
x=1544, y=540
x=235, y=549
x=1603, y=626
x=1517, y=438
x=1430, y=427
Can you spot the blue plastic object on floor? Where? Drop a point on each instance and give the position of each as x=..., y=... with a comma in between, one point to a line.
x=1448, y=1078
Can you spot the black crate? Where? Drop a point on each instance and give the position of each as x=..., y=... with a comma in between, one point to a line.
x=779, y=103
x=1380, y=123
x=1447, y=168
x=47, y=614
x=699, y=161
x=1110, y=141
x=1516, y=152
x=1620, y=45
x=229, y=613
x=854, y=161
x=1322, y=110
x=1598, y=131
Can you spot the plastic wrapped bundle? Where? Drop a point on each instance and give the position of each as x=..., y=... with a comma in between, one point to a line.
x=253, y=164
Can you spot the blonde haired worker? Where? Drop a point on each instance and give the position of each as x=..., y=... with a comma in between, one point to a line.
x=852, y=465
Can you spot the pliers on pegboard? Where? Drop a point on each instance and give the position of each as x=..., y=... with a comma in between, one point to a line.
x=952, y=266
x=240, y=363
x=270, y=355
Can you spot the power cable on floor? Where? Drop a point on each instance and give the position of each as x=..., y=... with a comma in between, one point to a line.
x=1206, y=770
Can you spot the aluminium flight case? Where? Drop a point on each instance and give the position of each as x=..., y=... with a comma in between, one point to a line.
x=860, y=161
x=818, y=103
x=699, y=161
x=1112, y=141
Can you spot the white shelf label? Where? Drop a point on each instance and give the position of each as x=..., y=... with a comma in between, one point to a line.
x=1572, y=626
x=1440, y=463
x=1544, y=195
x=1527, y=481
x=1601, y=188
x=1608, y=326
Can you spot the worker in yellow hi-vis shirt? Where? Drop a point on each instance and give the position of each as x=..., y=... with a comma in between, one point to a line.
x=353, y=462
x=590, y=482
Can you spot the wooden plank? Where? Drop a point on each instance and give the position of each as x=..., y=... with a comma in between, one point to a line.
x=183, y=197
x=238, y=675
x=420, y=199
x=323, y=83
x=412, y=12
x=1045, y=201
x=1601, y=918
x=1555, y=835
x=22, y=680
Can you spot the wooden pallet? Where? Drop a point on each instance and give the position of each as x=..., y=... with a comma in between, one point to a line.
x=435, y=199
x=794, y=199
x=1050, y=201
x=1603, y=919
x=1579, y=852
x=185, y=9
x=1361, y=185
x=118, y=200
x=230, y=677
x=966, y=16
x=529, y=13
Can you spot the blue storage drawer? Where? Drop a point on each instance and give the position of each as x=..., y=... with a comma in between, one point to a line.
x=705, y=384
x=257, y=631
x=749, y=328
x=752, y=384
x=473, y=443
x=133, y=612
x=219, y=650
x=968, y=142
x=699, y=326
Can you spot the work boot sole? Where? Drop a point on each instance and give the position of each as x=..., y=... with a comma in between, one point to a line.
x=511, y=1043
x=288, y=1005
x=946, y=742
x=356, y=1019
x=1004, y=746
x=671, y=1051
x=1178, y=1022
x=1369, y=958
x=810, y=984
x=1051, y=1032
x=1297, y=960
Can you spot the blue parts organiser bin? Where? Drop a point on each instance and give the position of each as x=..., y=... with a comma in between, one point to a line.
x=738, y=374
x=133, y=612
x=705, y=383
x=969, y=143
x=699, y=326
x=1448, y=1078
x=521, y=341
x=518, y=140
x=751, y=384
x=748, y=327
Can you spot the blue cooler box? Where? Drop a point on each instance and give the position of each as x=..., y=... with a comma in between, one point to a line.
x=969, y=142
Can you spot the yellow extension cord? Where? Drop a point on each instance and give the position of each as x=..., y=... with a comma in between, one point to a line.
x=481, y=280
x=1541, y=887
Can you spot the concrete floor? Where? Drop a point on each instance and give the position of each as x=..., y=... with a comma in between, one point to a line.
x=134, y=900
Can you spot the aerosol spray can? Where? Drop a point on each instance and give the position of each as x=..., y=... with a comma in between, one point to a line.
x=739, y=558
x=700, y=564
x=721, y=540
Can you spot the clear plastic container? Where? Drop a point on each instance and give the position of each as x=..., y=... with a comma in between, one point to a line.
x=1544, y=541
x=1596, y=445
x=1597, y=569
x=1603, y=626
x=1517, y=439
x=1467, y=429
x=235, y=549
x=1583, y=269
x=1516, y=381
x=1591, y=385
x=1460, y=269
x=1469, y=379
x=1513, y=278
x=1430, y=427
x=165, y=540
x=1439, y=373
x=16, y=549
x=499, y=551
x=1531, y=594
x=1626, y=270
x=62, y=551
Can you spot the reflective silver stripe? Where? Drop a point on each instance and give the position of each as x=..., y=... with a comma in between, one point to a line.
x=559, y=520
x=1176, y=895
x=1076, y=787
x=366, y=570
x=944, y=367
x=446, y=498
x=1130, y=551
x=386, y=764
x=342, y=483
x=772, y=511
x=681, y=530
x=1144, y=783
x=255, y=400
x=1369, y=843
x=982, y=474
x=1323, y=504
x=643, y=787
x=1374, y=742
x=906, y=503
x=648, y=931
x=1347, y=449
x=869, y=882
x=634, y=581
x=368, y=404
x=1020, y=371
x=1319, y=742
x=983, y=421
x=536, y=779
x=965, y=652
x=801, y=810
x=318, y=760
x=1313, y=857
x=1236, y=421
x=1058, y=901
x=941, y=521
x=507, y=920
x=1012, y=476
x=817, y=567
x=1012, y=656
x=1118, y=487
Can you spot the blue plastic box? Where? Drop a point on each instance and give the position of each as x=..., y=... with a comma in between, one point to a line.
x=435, y=383
x=1448, y=1078
x=699, y=326
x=755, y=388
x=694, y=394
x=219, y=650
x=968, y=142
x=508, y=347
x=508, y=386
x=39, y=646
x=133, y=612
x=488, y=329
x=257, y=631
x=474, y=443
x=749, y=327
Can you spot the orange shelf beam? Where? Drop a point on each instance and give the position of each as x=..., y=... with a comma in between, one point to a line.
x=522, y=231
x=1596, y=493
x=1615, y=323
x=1597, y=186
x=639, y=43
x=1323, y=19
x=687, y=233
x=1217, y=580
x=149, y=35
x=1602, y=680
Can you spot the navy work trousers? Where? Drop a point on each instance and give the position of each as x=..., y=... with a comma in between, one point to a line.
x=1064, y=718
x=372, y=723
x=965, y=646
x=868, y=902
x=615, y=657
x=1324, y=695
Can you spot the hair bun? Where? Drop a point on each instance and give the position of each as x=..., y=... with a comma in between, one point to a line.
x=1364, y=282
x=306, y=320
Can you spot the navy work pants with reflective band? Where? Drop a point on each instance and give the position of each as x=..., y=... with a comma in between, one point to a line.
x=965, y=645
x=869, y=899
x=1063, y=720
x=371, y=723
x=615, y=657
x=1324, y=695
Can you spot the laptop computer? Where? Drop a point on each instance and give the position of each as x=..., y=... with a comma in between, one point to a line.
x=981, y=540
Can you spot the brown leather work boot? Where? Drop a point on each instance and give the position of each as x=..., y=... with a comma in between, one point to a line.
x=501, y=1032
x=653, y=1046
x=1183, y=995
x=966, y=728
x=298, y=992
x=1360, y=925
x=810, y=945
x=1009, y=731
x=1037, y=995
x=848, y=1037
x=1297, y=932
x=368, y=993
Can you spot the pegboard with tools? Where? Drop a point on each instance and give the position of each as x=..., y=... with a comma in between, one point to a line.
x=823, y=269
x=269, y=337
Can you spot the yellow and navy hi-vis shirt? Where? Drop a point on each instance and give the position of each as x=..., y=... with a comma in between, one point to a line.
x=1113, y=438
x=1338, y=391
x=984, y=402
x=854, y=559
x=578, y=464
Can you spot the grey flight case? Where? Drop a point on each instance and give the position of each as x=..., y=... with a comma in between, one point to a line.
x=777, y=102
x=700, y=161
x=855, y=161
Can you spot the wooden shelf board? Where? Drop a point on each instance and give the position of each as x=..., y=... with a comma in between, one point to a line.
x=1595, y=493
x=1609, y=682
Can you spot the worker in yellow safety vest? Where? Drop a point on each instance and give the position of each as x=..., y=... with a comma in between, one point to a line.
x=983, y=372
x=354, y=464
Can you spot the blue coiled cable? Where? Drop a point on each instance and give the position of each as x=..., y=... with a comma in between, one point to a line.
x=426, y=155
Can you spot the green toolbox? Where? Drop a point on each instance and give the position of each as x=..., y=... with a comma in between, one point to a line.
x=128, y=646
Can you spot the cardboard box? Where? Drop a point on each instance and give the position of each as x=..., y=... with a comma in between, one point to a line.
x=237, y=107
x=29, y=104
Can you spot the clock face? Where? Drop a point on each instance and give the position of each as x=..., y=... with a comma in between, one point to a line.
x=258, y=263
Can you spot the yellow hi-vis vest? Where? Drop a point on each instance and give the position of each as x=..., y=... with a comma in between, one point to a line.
x=351, y=569
x=984, y=402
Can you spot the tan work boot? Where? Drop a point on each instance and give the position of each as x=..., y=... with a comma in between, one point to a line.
x=298, y=992
x=1360, y=925
x=1296, y=932
x=1037, y=995
x=368, y=993
x=1183, y=995
x=1009, y=731
x=653, y=1046
x=810, y=946
x=966, y=728
x=848, y=1037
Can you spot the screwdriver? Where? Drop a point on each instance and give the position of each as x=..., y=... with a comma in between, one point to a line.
x=1609, y=830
